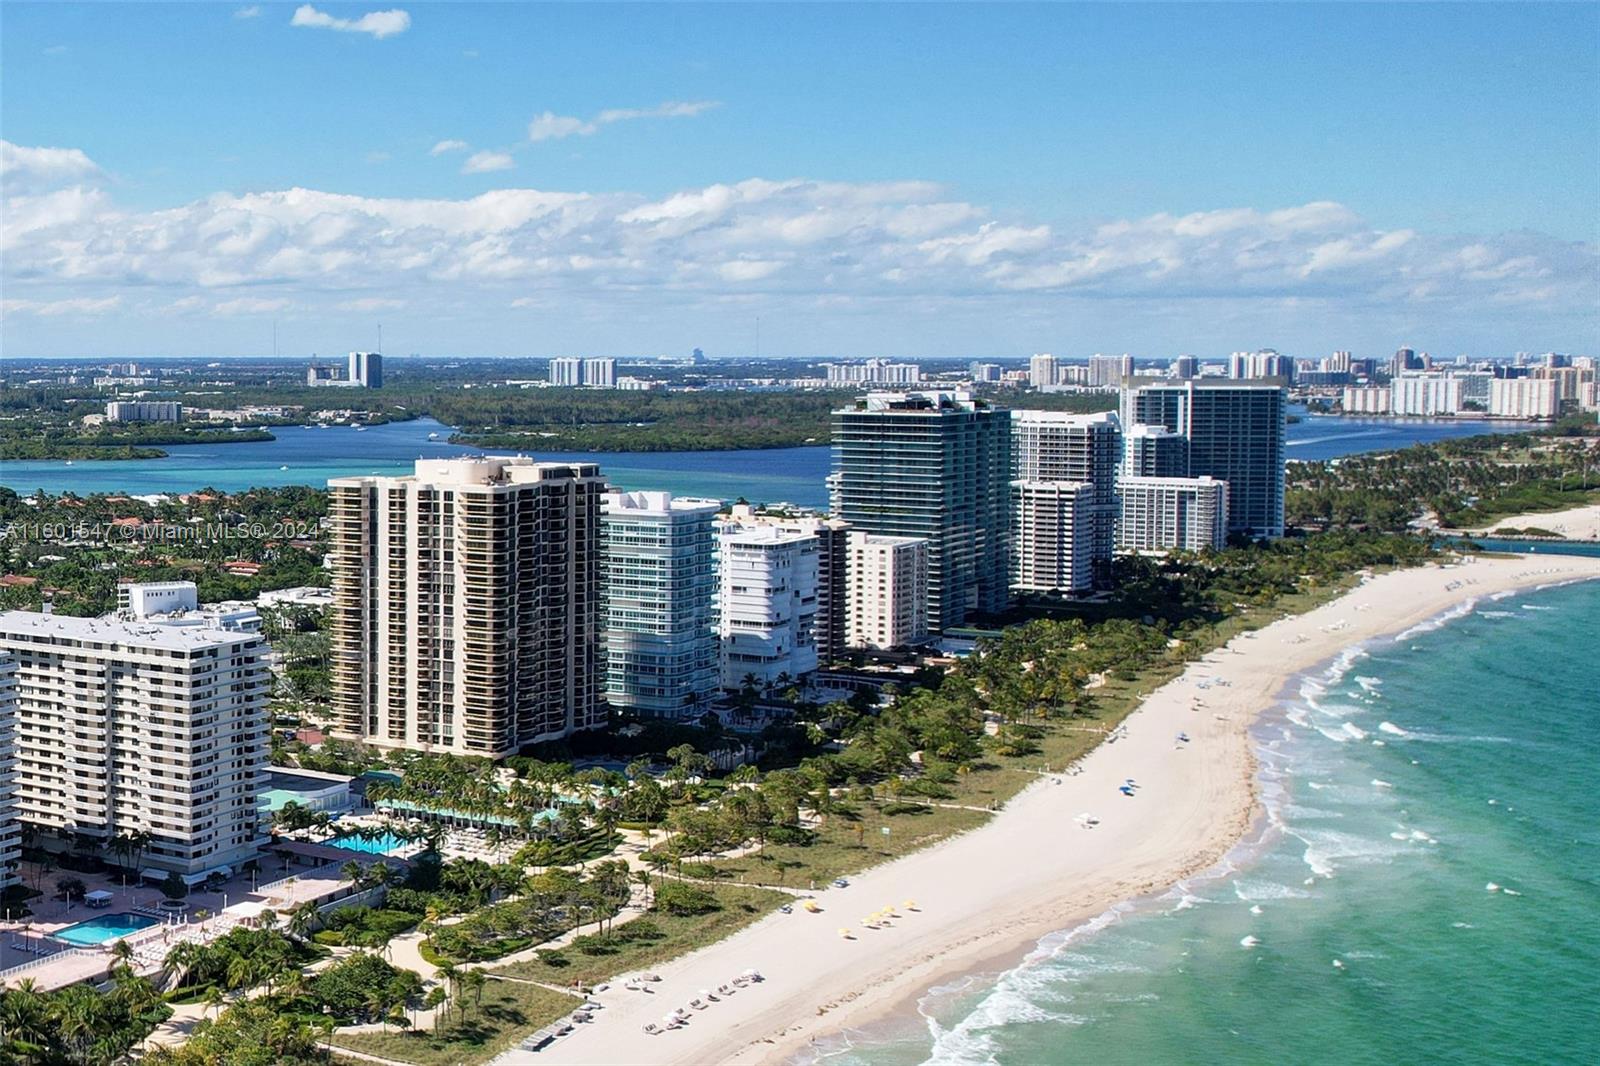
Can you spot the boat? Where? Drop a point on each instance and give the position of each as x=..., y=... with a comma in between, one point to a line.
x=433, y=436
x=69, y=462
x=285, y=467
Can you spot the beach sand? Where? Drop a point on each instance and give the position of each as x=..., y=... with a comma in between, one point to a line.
x=990, y=894
x=1575, y=523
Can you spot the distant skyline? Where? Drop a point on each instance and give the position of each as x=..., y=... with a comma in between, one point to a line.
x=940, y=181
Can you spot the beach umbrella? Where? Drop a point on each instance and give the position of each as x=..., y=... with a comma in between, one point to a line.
x=844, y=932
x=911, y=904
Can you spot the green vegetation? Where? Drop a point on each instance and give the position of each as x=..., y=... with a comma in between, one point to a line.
x=584, y=420
x=77, y=1025
x=247, y=1034
x=239, y=960
x=490, y=1015
x=653, y=939
x=546, y=906
x=1467, y=483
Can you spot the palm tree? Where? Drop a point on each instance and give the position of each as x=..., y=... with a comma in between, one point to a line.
x=24, y=1026
x=301, y=917
x=76, y=1013
x=214, y=1000
x=474, y=980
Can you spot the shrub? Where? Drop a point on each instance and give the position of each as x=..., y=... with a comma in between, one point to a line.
x=906, y=808
x=680, y=899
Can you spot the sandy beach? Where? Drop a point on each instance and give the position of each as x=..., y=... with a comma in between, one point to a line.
x=989, y=895
x=1575, y=523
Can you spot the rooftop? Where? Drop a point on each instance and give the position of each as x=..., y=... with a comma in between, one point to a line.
x=111, y=632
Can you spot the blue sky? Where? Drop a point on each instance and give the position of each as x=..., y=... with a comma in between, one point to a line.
x=899, y=179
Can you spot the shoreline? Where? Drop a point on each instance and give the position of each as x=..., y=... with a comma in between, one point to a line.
x=978, y=907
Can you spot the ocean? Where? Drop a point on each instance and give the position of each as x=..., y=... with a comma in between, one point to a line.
x=304, y=455
x=1424, y=886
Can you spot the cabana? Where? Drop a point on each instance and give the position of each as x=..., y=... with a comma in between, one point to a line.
x=99, y=898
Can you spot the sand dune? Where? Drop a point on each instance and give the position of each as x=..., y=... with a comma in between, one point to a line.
x=988, y=895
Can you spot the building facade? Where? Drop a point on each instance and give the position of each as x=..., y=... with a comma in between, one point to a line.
x=933, y=465
x=1173, y=513
x=10, y=824
x=766, y=606
x=1043, y=370
x=144, y=411
x=466, y=613
x=1425, y=394
x=888, y=591
x=127, y=727
x=1155, y=451
x=1080, y=453
x=658, y=595
x=1236, y=432
x=1367, y=400
x=600, y=373
x=366, y=370
x=1523, y=398
x=566, y=372
x=831, y=534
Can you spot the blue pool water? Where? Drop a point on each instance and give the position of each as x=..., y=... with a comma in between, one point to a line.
x=104, y=929
x=377, y=846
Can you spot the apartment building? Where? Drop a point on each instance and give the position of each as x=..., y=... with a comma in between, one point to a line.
x=658, y=602
x=600, y=373
x=566, y=372
x=1173, y=513
x=888, y=591
x=1057, y=531
x=144, y=411
x=10, y=825
x=1043, y=370
x=1523, y=398
x=933, y=465
x=1367, y=400
x=766, y=606
x=1155, y=451
x=128, y=726
x=1236, y=433
x=1425, y=394
x=466, y=604
x=1081, y=454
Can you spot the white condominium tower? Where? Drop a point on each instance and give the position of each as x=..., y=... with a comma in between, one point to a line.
x=766, y=605
x=658, y=591
x=888, y=591
x=566, y=372
x=131, y=727
x=466, y=605
x=831, y=595
x=1166, y=513
x=1043, y=370
x=10, y=827
x=600, y=373
x=1064, y=492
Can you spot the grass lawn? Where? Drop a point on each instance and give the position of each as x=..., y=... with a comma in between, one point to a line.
x=849, y=842
x=679, y=936
x=508, y=1012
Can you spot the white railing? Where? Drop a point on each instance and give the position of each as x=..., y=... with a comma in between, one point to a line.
x=65, y=953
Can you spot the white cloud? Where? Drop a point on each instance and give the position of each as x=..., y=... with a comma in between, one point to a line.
x=379, y=24
x=550, y=126
x=904, y=245
x=52, y=308
x=485, y=162
x=249, y=305
x=253, y=11
x=26, y=169
x=449, y=146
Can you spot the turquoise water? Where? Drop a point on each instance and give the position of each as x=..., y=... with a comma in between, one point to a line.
x=377, y=846
x=104, y=929
x=1425, y=887
x=304, y=455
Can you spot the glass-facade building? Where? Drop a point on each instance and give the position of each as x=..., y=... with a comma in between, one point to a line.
x=934, y=465
x=658, y=593
x=1235, y=431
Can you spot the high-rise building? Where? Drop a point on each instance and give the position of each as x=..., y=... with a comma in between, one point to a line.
x=1155, y=451
x=1425, y=394
x=566, y=372
x=10, y=825
x=1367, y=400
x=1265, y=363
x=1184, y=366
x=144, y=411
x=831, y=534
x=1043, y=370
x=1404, y=359
x=1337, y=363
x=1173, y=513
x=1056, y=526
x=934, y=465
x=600, y=373
x=766, y=606
x=1236, y=434
x=466, y=604
x=984, y=373
x=873, y=372
x=888, y=591
x=366, y=370
x=1523, y=398
x=1107, y=371
x=1080, y=453
x=127, y=726
x=658, y=594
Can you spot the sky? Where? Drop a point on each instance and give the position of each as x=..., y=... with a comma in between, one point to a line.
x=836, y=180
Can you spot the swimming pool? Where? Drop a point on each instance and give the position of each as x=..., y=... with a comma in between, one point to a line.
x=104, y=929
x=377, y=846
